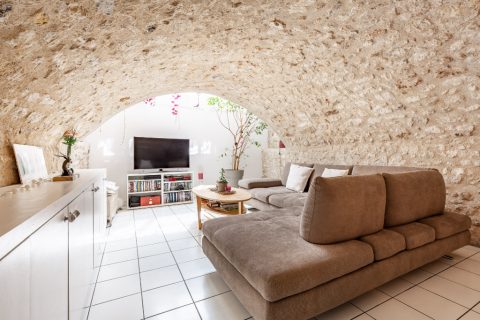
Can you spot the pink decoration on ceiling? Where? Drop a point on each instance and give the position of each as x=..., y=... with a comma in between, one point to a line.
x=150, y=102
x=174, y=104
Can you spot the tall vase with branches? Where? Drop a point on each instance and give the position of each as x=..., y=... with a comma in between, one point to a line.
x=243, y=126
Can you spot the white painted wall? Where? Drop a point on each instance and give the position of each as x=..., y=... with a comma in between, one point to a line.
x=111, y=146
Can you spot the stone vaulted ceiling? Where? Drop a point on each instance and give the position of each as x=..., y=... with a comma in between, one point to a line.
x=394, y=82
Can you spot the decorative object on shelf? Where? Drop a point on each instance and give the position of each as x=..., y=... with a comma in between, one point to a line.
x=222, y=181
x=69, y=139
x=30, y=163
x=281, y=146
x=226, y=192
x=242, y=125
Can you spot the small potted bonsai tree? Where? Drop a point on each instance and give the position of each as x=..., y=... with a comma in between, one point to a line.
x=243, y=126
x=69, y=139
x=222, y=182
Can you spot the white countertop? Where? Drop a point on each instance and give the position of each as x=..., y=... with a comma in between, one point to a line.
x=24, y=212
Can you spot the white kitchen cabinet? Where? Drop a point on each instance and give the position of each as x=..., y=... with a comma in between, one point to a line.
x=49, y=270
x=50, y=239
x=15, y=284
x=100, y=220
x=81, y=273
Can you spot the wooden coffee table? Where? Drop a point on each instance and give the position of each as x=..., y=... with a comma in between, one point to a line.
x=204, y=196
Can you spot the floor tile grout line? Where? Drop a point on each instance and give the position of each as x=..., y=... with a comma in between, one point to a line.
x=177, y=282
x=418, y=285
x=115, y=299
x=120, y=277
x=461, y=284
x=109, y=264
x=361, y=314
x=138, y=265
x=426, y=289
x=98, y=274
x=169, y=310
x=128, y=275
x=390, y=297
x=414, y=308
x=471, y=309
x=181, y=274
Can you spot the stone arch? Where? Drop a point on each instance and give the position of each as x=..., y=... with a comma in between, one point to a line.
x=346, y=82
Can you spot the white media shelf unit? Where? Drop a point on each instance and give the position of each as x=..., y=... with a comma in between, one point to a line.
x=159, y=188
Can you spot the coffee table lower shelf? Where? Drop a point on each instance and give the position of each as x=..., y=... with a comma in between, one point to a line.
x=204, y=196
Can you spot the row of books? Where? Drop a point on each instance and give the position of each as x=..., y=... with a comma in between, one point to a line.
x=224, y=206
x=142, y=186
x=177, y=186
x=177, y=197
x=177, y=177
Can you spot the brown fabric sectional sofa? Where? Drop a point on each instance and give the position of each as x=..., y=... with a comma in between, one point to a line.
x=352, y=234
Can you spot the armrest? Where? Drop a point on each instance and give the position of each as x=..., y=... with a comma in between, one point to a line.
x=259, y=183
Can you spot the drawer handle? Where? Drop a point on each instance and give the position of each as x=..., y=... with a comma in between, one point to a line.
x=96, y=189
x=71, y=216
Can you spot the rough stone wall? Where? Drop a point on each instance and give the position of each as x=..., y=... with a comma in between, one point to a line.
x=459, y=164
x=387, y=82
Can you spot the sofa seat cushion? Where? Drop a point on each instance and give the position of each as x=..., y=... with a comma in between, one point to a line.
x=413, y=195
x=448, y=224
x=266, y=248
x=416, y=234
x=385, y=243
x=259, y=183
x=285, y=200
x=343, y=208
x=263, y=194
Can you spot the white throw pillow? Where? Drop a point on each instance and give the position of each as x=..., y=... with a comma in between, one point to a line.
x=329, y=173
x=298, y=177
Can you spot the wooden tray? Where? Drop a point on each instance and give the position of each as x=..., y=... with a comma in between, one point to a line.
x=222, y=192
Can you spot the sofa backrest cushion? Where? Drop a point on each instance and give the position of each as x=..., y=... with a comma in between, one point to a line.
x=366, y=170
x=330, y=173
x=319, y=168
x=343, y=208
x=298, y=177
x=286, y=170
x=413, y=195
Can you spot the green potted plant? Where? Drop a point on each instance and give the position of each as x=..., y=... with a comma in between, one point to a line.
x=243, y=126
x=69, y=139
x=222, y=182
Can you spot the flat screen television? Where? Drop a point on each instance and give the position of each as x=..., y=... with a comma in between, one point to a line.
x=160, y=153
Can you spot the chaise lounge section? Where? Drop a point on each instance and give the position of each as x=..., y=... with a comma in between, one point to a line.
x=353, y=234
x=268, y=193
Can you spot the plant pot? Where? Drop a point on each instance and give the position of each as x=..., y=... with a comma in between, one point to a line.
x=233, y=176
x=67, y=171
x=221, y=186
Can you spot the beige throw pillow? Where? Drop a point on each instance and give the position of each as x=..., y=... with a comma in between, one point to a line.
x=298, y=177
x=330, y=173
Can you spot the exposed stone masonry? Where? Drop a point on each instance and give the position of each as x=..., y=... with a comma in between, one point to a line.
x=372, y=82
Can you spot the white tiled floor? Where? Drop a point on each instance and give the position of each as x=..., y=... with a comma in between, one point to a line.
x=154, y=268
